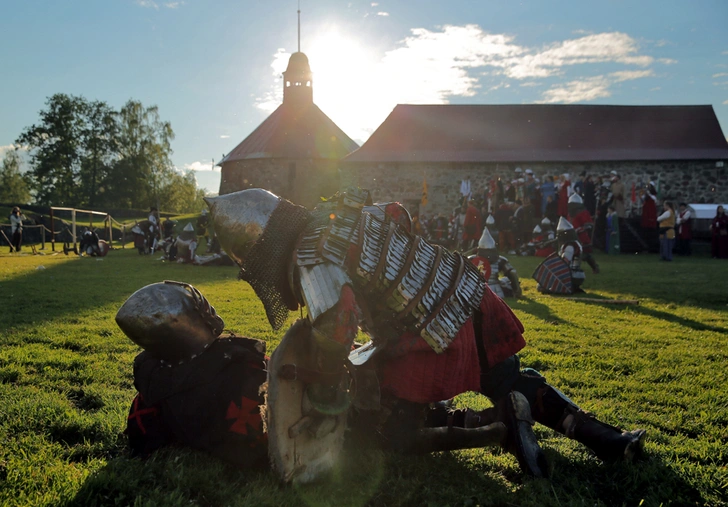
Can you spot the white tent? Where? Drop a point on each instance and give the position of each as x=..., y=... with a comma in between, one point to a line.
x=704, y=211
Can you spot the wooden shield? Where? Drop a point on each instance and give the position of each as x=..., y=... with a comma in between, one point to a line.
x=303, y=445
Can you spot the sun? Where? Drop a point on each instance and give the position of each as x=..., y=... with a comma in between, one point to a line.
x=343, y=74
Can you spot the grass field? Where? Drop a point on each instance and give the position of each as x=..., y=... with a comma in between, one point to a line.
x=66, y=385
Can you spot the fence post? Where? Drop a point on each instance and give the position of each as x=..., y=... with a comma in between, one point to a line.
x=42, y=236
x=53, y=234
x=123, y=236
x=109, y=230
x=73, y=229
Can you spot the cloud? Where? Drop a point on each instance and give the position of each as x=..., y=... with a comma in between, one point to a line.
x=358, y=88
x=199, y=166
x=592, y=88
x=382, y=13
x=374, y=4
x=151, y=4
x=613, y=47
x=224, y=136
x=725, y=102
x=720, y=74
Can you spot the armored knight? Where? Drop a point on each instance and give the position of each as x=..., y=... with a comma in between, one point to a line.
x=582, y=220
x=491, y=265
x=444, y=331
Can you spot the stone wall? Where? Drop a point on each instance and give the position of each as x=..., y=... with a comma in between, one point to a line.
x=303, y=181
x=690, y=181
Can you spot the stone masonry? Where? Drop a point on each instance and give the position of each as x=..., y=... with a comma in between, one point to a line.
x=689, y=181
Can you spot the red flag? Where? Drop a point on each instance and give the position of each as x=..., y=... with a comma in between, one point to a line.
x=634, y=194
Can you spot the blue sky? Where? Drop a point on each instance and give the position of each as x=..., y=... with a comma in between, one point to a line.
x=213, y=68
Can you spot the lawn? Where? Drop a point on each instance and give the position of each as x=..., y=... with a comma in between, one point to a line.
x=66, y=385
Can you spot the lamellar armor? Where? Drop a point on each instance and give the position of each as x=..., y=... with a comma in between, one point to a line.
x=401, y=281
x=406, y=283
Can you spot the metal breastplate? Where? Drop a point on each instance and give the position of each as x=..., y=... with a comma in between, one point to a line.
x=406, y=283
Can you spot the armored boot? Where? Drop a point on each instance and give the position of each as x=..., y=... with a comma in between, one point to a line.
x=514, y=412
x=610, y=444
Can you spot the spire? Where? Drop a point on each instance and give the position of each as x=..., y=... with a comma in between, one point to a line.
x=298, y=79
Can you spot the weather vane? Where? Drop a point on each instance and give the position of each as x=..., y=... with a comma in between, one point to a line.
x=299, y=26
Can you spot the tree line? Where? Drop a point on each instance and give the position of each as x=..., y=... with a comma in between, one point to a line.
x=83, y=153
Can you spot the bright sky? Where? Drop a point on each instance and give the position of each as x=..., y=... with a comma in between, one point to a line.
x=213, y=68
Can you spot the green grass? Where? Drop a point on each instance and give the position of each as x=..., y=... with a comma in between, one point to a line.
x=66, y=385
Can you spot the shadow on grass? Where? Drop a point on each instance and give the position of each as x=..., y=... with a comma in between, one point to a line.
x=373, y=478
x=63, y=290
x=596, y=299
x=538, y=310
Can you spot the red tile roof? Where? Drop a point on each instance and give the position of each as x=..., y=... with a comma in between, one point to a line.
x=294, y=132
x=544, y=133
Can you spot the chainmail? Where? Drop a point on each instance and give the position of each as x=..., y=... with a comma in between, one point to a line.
x=265, y=267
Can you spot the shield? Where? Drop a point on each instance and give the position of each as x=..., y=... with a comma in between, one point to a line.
x=554, y=275
x=103, y=248
x=303, y=445
x=482, y=264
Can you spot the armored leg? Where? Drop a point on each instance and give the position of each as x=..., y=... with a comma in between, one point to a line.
x=553, y=409
x=589, y=259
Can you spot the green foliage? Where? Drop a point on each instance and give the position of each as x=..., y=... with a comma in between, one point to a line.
x=83, y=153
x=66, y=386
x=13, y=185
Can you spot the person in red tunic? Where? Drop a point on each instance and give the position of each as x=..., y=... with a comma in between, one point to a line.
x=582, y=220
x=564, y=192
x=684, y=230
x=719, y=228
x=649, y=207
x=472, y=225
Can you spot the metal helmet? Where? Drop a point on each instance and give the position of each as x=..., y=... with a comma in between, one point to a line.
x=170, y=320
x=537, y=230
x=575, y=199
x=240, y=218
x=546, y=222
x=575, y=204
x=490, y=221
x=487, y=247
x=565, y=231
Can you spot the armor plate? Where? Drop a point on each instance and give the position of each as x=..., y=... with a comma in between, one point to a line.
x=406, y=282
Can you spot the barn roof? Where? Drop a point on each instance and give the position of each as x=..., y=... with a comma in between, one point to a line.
x=544, y=133
x=294, y=131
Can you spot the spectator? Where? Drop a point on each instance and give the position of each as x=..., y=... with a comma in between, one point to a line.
x=465, y=188
x=565, y=192
x=579, y=185
x=471, y=226
x=16, y=229
x=590, y=195
x=612, y=231
x=667, y=231
x=684, y=230
x=504, y=224
x=548, y=189
x=649, y=207
x=719, y=228
x=618, y=194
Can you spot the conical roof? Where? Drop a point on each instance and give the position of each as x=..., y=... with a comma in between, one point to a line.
x=294, y=132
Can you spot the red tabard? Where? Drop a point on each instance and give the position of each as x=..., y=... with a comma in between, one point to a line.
x=414, y=372
x=582, y=218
